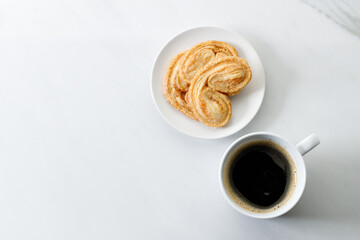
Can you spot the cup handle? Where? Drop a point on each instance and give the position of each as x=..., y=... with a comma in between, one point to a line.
x=307, y=144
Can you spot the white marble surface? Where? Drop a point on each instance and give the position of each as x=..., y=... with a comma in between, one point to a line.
x=346, y=13
x=85, y=155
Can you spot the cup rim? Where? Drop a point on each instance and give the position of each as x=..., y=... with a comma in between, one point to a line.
x=293, y=199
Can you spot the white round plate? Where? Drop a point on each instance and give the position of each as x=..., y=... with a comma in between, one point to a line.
x=244, y=105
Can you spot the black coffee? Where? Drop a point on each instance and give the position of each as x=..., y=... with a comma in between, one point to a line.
x=260, y=174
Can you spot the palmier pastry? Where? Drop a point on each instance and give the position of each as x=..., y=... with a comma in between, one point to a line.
x=172, y=93
x=233, y=76
x=199, y=81
x=198, y=57
x=209, y=89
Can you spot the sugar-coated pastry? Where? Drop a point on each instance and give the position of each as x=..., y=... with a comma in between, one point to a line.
x=175, y=96
x=199, y=81
x=199, y=56
x=232, y=75
x=211, y=85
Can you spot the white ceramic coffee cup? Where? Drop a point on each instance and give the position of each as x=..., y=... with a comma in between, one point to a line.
x=295, y=151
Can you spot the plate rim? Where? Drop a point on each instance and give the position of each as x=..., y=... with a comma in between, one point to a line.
x=157, y=58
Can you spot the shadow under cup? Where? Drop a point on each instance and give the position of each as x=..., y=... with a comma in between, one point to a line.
x=292, y=164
